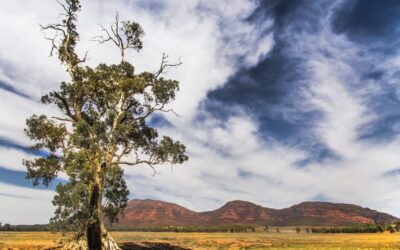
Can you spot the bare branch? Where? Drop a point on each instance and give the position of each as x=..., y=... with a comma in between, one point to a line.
x=125, y=35
x=170, y=111
x=67, y=29
x=155, y=108
x=116, y=32
x=125, y=150
x=53, y=44
x=164, y=64
x=100, y=39
x=148, y=163
x=64, y=7
x=57, y=28
x=85, y=58
x=62, y=119
x=109, y=37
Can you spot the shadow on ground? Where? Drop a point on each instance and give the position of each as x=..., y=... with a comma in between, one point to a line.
x=151, y=245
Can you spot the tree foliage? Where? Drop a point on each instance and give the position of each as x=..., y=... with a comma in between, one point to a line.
x=367, y=228
x=103, y=126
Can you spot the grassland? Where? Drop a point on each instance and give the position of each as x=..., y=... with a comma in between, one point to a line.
x=257, y=240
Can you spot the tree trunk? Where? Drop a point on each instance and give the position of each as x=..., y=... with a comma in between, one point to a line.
x=97, y=236
x=93, y=231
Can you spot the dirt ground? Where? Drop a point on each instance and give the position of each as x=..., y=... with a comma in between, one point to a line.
x=231, y=241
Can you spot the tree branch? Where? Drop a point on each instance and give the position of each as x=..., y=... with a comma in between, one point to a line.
x=62, y=119
x=164, y=64
x=66, y=106
x=148, y=163
x=101, y=39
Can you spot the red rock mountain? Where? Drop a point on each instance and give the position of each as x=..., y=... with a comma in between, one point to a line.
x=159, y=213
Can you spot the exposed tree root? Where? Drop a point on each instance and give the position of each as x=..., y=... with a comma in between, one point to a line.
x=80, y=243
x=75, y=244
x=108, y=243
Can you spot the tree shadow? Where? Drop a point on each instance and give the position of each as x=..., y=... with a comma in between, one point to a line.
x=151, y=246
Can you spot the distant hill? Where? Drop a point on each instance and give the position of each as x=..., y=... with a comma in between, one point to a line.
x=159, y=213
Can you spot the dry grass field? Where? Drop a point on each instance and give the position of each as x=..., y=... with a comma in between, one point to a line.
x=258, y=240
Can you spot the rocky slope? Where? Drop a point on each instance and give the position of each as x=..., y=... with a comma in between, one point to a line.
x=159, y=213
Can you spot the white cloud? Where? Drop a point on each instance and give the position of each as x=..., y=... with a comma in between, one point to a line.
x=334, y=88
x=15, y=110
x=12, y=159
x=24, y=205
x=220, y=160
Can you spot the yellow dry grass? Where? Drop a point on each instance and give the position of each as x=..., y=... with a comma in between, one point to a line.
x=231, y=241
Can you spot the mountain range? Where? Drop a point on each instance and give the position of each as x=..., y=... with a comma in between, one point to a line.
x=159, y=213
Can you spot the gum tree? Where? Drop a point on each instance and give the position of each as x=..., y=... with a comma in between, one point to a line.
x=103, y=127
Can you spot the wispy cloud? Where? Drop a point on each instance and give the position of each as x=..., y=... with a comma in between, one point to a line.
x=232, y=157
x=24, y=205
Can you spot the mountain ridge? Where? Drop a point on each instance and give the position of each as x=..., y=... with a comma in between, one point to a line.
x=149, y=212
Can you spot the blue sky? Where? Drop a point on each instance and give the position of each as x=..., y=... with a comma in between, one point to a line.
x=281, y=101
